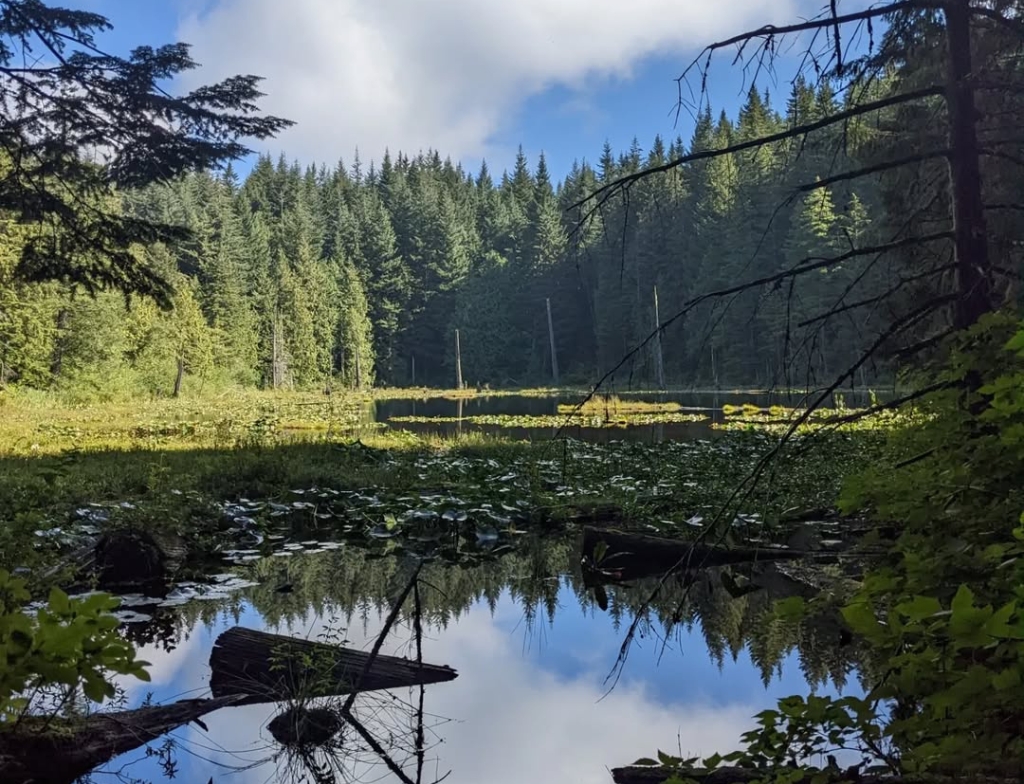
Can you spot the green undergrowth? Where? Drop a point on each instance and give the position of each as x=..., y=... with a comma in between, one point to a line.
x=52, y=470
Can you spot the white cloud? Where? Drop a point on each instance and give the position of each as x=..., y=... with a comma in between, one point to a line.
x=447, y=74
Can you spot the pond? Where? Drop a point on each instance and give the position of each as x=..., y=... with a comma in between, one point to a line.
x=538, y=697
x=539, y=417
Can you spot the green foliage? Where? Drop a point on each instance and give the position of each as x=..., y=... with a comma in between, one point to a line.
x=70, y=645
x=149, y=135
x=297, y=272
x=940, y=617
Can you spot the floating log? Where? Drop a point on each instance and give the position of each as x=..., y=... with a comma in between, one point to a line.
x=266, y=667
x=636, y=774
x=63, y=751
x=622, y=555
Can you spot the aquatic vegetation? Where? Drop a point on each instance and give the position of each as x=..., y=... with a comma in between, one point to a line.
x=384, y=486
x=778, y=419
x=558, y=420
x=614, y=407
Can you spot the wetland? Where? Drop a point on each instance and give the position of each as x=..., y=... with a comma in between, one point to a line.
x=306, y=516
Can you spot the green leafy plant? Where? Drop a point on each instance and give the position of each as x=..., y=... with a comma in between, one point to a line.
x=940, y=617
x=71, y=645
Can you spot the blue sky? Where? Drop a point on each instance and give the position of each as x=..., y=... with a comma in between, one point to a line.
x=470, y=79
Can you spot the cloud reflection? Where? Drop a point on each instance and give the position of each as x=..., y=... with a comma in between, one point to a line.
x=518, y=712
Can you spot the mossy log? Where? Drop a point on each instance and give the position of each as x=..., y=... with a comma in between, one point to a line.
x=623, y=555
x=64, y=751
x=268, y=667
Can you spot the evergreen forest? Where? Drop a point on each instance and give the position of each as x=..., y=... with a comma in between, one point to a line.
x=304, y=277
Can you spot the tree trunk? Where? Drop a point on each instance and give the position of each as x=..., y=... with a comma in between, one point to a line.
x=659, y=357
x=57, y=363
x=970, y=236
x=66, y=751
x=551, y=340
x=458, y=362
x=179, y=377
x=621, y=555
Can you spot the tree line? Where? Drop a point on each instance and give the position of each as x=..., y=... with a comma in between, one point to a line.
x=314, y=276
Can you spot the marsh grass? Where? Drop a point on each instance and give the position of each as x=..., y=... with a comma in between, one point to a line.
x=614, y=407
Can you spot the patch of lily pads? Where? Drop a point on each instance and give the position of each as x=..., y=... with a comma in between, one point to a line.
x=555, y=421
x=777, y=420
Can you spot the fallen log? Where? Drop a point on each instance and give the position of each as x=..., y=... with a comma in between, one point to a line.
x=65, y=750
x=638, y=774
x=622, y=555
x=264, y=667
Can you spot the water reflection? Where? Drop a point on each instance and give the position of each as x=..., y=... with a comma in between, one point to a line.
x=533, y=652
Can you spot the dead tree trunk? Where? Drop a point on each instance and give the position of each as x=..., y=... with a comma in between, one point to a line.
x=275, y=358
x=458, y=362
x=551, y=340
x=179, y=376
x=659, y=356
x=621, y=555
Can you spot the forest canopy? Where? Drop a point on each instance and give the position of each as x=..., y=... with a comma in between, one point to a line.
x=296, y=275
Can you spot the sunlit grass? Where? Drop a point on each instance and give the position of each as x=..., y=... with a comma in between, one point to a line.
x=613, y=406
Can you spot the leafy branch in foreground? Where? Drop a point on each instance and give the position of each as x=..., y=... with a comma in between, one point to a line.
x=76, y=121
x=70, y=645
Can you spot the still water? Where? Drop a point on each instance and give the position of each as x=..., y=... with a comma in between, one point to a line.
x=458, y=414
x=533, y=701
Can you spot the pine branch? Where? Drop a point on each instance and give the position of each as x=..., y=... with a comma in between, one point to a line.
x=835, y=311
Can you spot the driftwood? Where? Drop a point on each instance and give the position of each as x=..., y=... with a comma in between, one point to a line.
x=269, y=667
x=65, y=750
x=621, y=555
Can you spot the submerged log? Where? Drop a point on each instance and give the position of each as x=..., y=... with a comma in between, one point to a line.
x=301, y=726
x=636, y=774
x=136, y=560
x=64, y=751
x=621, y=555
x=269, y=667
x=639, y=774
